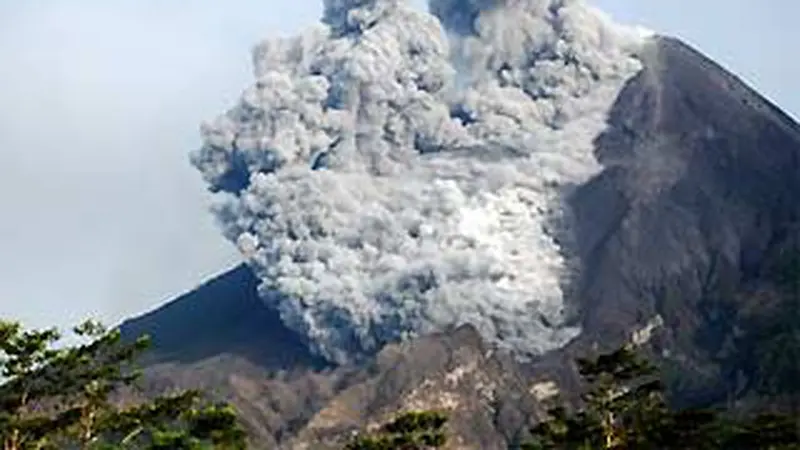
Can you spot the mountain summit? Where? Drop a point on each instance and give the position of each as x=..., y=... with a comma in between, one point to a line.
x=487, y=190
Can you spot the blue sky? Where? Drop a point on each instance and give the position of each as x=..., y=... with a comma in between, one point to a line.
x=102, y=214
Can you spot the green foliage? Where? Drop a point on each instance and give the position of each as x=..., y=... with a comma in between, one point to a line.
x=768, y=341
x=68, y=397
x=419, y=430
x=622, y=405
x=775, y=343
x=624, y=408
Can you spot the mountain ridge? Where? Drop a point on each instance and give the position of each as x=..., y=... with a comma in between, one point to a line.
x=212, y=326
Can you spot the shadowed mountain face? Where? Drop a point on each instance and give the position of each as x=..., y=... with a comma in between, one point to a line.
x=696, y=207
x=701, y=175
x=223, y=316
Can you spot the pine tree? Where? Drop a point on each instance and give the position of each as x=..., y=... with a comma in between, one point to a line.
x=624, y=405
x=421, y=430
x=625, y=408
x=66, y=397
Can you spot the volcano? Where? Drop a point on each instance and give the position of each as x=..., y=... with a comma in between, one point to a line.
x=423, y=216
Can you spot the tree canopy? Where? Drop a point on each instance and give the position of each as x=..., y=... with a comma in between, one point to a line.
x=416, y=430
x=60, y=396
x=84, y=396
x=624, y=408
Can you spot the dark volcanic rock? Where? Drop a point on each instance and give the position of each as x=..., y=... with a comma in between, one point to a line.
x=223, y=316
x=699, y=194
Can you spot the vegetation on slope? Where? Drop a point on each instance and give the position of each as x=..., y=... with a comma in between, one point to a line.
x=416, y=430
x=624, y=408
x=81, y=396
x=72, y=397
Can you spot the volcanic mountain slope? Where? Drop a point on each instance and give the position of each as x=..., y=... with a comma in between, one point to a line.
x=288, y=399
x=694, y=212
x=682, y=229
x=224, y=315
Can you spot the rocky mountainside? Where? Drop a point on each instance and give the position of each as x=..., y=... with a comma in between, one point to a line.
x=287, y=397
x=695, y=209
x=681, y=234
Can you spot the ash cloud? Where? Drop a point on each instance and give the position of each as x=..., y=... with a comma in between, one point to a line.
x=391, y=171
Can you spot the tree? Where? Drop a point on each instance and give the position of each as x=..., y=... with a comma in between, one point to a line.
x=623, y=405
x=70, y=397
x=419, y=430
x=775, y=336
x=624, y=408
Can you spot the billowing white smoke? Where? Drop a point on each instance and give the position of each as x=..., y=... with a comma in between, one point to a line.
x=389, y=176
